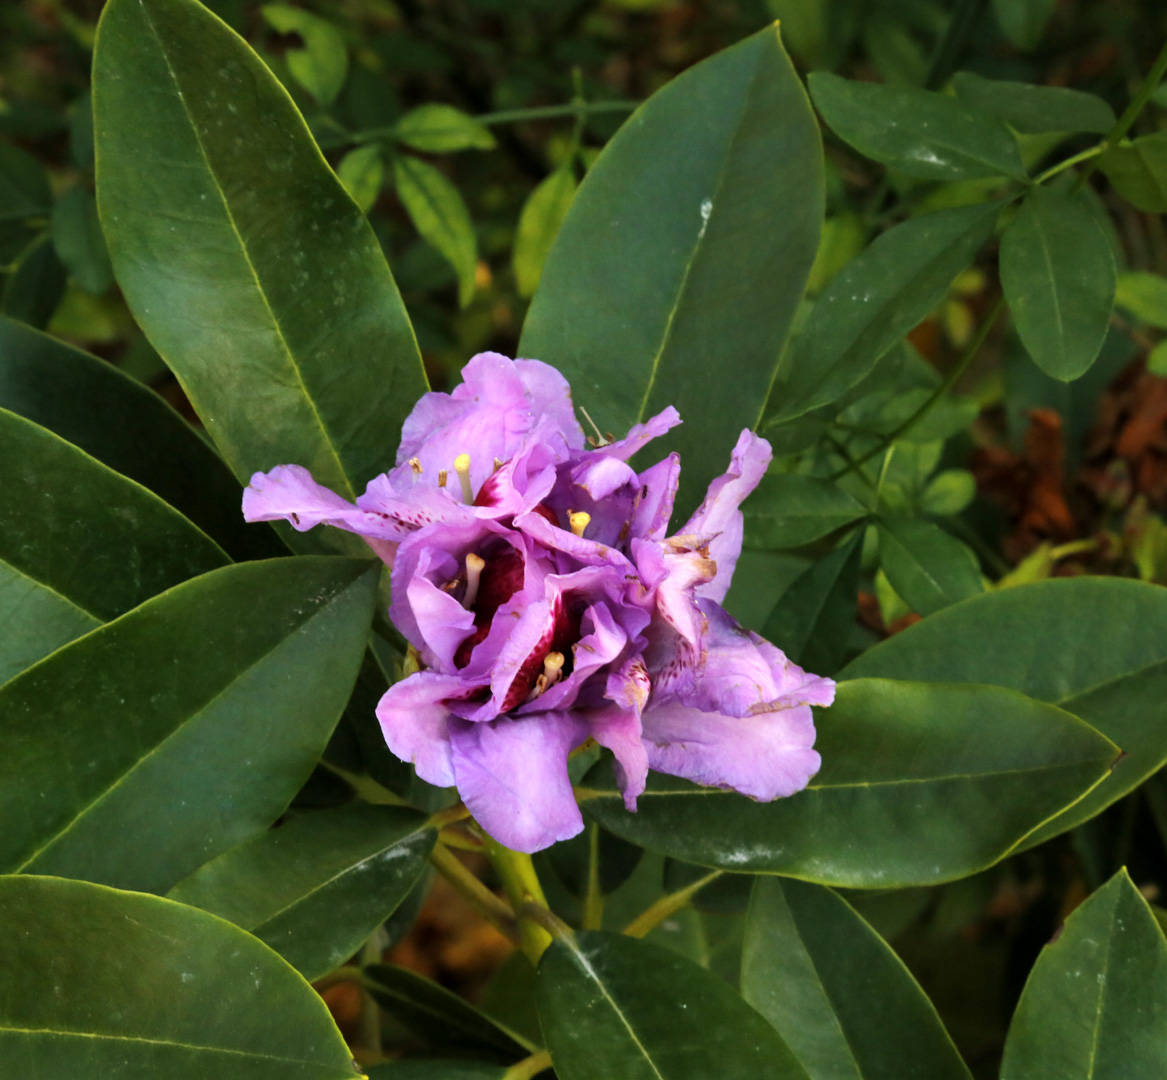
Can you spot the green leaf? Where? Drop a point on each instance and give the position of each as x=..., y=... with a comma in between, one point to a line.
x=685, y=254
x=24, y=187
x=919, y=132
x=539, y=223
x=439, y=1017
x=441, y=129
x=949, y=492
x=254, y=275
x=1023, y=21
x=441, y=216
x=322, y=64
x=926, y=566
x=1144, y=295
x=121, y=748
x=804, y=945
x=1058, y=273
x=79, y=242
x=36, y=284
x=920, y=783
x=1095, y=1003
x=362, y=172
x=1096, y=647
x=316, y=887
x=1035, y=110
x=613, y=1006
x=79, y=544
x=874, y=301
x=436, y=1070
x=787, y=510
x=1138, y=171
x=813, y=617
x=129, y=428
x=159, y=989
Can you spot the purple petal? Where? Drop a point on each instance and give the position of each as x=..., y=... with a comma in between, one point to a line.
x=582, y=548
x=640, y=435
x=550, y=395
x=766, y=756
x=512, y=775
x=414, y=722
x=619, y=730
x=288, y=492
x=658, y=490
x=600, y=476
x=719, y=519
x=743, y=673
x=442, y=623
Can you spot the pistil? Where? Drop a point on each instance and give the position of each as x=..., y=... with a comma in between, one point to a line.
x=579, y=521
x=474, y=567
x=462, y=468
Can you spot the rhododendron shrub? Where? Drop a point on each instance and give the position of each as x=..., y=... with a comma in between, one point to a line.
x=688, y=625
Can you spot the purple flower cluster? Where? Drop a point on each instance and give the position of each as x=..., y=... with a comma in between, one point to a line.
x=534, y=578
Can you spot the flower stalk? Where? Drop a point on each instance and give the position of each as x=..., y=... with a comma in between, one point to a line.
x=516, y=871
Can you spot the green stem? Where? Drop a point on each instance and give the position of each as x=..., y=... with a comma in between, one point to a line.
x=652, y=917
x=528, y=1067
x=1069, y=163
x=593, y=912
x=521, y=884
x=370, y=1010
x=496, y=911
x=450, y=816
x=1131, y=114
x=348, y=973
x=577, y=109
x=950, y=380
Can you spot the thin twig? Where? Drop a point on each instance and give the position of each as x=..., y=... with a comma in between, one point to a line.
x=495, y=910
x=529, y=1067
x=652, y=917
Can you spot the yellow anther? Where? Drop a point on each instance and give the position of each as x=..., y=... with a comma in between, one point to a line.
x=415, y=465
x=462, y=468
x=443, y=476
x=552, y=666
x=579, y=521
x=474, y=567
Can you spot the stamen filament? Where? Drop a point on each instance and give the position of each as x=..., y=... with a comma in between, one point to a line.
x=474, y=567
x=462, y=468
x=579, y=521
x=553, y=667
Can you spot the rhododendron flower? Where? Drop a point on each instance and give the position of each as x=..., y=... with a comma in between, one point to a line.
x=535, y=578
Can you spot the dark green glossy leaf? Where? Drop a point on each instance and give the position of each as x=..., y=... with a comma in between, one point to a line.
x=127, y=427
x=317, y=886
x=613, y=1006
x=159, y=989
x=1138, y=171
x=36, y=284
x=803, y=949
x=436, y=128
x=1144, y=295
x=787, y=510
x=918, y=132
x=439, y=1017
x=920, y=783
x=79, y=242
x=138, y=753
x=440, y=214
x=1034, y=110
x=926, y=566
x=1096, y=647
x=1058, y=273
x=812, y=619
x=539, y=223
x=874, y=301
x=1023, y=21
x=1095, y=1004
x=251, y=270
x=321, y=65
x=615, y=860
x=79, y=544
x=684, y=256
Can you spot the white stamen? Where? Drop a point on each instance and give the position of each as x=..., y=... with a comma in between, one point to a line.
x=462, y=468
x=579, y=522
x=600, y=438
x=474, y=567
